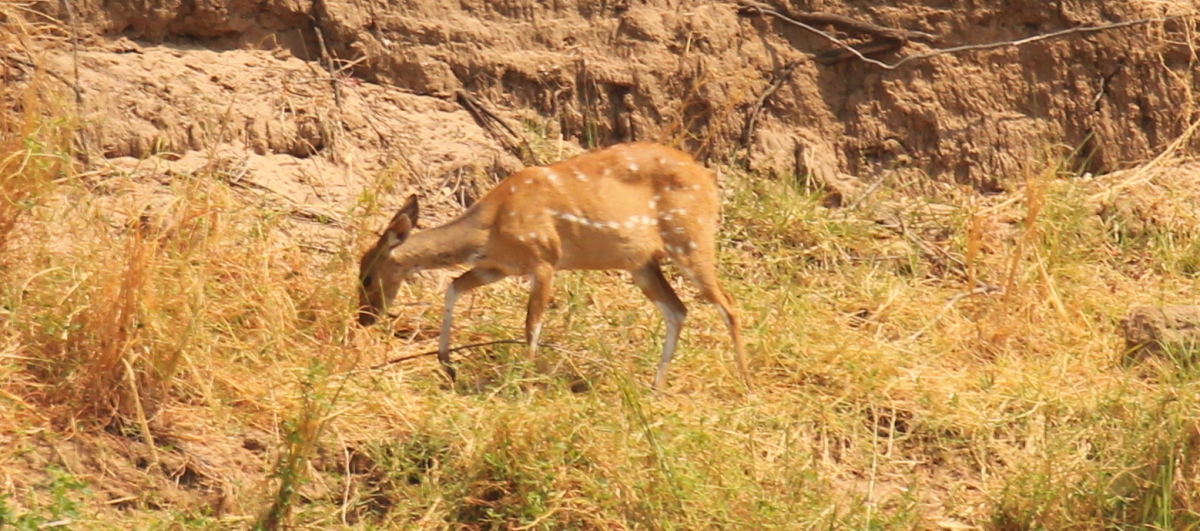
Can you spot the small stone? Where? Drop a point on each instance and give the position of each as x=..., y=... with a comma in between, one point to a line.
x=1172, y=330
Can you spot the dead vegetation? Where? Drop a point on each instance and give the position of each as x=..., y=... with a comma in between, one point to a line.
x=178, y=351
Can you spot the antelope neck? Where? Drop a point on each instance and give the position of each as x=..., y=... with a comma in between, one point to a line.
x=441, y=247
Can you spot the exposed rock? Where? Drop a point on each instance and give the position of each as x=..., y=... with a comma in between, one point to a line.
x=1162, y=330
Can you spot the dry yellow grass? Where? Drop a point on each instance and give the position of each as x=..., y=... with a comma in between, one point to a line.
x=880, y=380
x=934, y=361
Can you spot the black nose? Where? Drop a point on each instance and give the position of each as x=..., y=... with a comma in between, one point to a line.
x=366, y=318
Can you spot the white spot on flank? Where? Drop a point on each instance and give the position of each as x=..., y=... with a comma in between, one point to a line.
x=579, y=175
x=533, y=235
x=667, y=216
x=653, y=204
x=633, y=168
x=512, y=189
x=569, y=217
x=692, y=246
x=604, y=174
x=552, y=212
x=678, y=230
x=552, y=176
x=614, y=225
x=662, y=160
x=528, y=181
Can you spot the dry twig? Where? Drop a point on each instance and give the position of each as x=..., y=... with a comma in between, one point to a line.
x=884, y=38
x=867, y=193
x=748, y=6
x=455, y=349
x=982, y=289
x=1022, y=42
x=940, y=257
x=781, y=75
x=74, y=56
x=328, y=61
x=515, y=143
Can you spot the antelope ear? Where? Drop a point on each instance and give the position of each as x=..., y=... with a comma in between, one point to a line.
x=410, y=209
x=402, y=223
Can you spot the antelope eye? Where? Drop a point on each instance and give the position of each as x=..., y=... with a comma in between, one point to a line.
x=366, y=281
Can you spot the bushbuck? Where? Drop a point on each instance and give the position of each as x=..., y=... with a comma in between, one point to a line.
x=628, y=206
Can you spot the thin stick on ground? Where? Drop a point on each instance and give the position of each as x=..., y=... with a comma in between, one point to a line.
x=985, y=289
x=870, y=190
x=455, y=349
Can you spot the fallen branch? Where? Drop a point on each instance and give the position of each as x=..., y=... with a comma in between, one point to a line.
x=837, y=55
x=883, y=38
x=870, y=190
x=455, y=349
x=1027, y=40
x=747, y=7
x=982, y=289
x=515, y=143
x=328, y=63
x=938, y=256
x=781, y=75
x=750, y=7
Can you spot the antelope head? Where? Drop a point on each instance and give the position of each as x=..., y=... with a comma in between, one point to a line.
x=379, y=273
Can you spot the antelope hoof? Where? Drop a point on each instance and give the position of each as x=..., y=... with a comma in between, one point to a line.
x=366, y=318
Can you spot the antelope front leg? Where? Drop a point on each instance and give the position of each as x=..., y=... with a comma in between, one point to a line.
x=466, y=282
x=539, y=298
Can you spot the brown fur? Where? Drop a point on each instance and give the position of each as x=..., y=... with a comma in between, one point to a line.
x=624, y=207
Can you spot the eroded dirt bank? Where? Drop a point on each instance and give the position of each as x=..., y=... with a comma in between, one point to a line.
x=683, y=71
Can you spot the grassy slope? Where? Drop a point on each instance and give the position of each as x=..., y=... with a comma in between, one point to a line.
x=886, y=398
